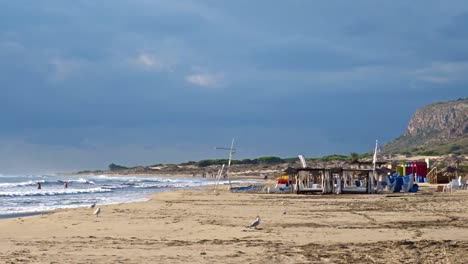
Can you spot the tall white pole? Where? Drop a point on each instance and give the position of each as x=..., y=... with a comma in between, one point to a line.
x=374, y=163
x=374, y=160
x=218, y=176
x=231, y=151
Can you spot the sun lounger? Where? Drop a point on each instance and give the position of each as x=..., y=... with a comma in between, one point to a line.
x=250, y=188
x=286, y=189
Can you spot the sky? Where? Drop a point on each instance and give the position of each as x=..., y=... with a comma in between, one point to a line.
x=85, y=83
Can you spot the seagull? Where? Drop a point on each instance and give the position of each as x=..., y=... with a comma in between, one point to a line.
x=93, y=205
x=98, y=210
x=255, y=223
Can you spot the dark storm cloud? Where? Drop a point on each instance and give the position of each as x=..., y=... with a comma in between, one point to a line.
x=85, y=83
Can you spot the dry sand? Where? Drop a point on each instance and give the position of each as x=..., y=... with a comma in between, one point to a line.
x=197, y=226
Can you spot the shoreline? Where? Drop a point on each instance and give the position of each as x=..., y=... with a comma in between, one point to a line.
x=149, y=197
x=146, y=198
x=20, y=215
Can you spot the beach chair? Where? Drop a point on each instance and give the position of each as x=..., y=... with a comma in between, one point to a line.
x=250, y=188
x=453, y=185
x=462, y=182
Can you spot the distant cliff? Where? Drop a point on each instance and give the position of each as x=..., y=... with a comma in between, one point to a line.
x=439, y=128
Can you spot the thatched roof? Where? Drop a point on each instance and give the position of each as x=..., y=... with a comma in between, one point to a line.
x=290, y=170
x=368, y=162
x=450, y=169
x=384, y=170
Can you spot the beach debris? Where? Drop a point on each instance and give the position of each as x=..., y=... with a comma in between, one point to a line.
x=97, y=212
x=92, y=206
x=255, y=223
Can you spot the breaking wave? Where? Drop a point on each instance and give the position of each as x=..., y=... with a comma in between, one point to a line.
x=54, y=193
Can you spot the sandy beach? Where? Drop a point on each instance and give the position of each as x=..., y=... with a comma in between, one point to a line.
x=199, y=226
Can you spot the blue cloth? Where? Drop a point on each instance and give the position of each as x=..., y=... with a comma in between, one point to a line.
x=399, y=184
x=358, y=183
x=247, y=188
x=288, y=188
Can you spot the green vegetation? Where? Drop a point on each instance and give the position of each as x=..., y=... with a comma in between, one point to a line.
x=189, y=163
x=115, y=167
x=458, y=146
x=365, y=155
x=454, y=148
x=334, y=157
x=354, y=156
x=261, y=160
x=428, y=153
x=268, y=160
x=209, y=162
x=290, y=160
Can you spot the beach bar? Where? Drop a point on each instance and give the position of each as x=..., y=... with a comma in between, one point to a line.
x=334, y=180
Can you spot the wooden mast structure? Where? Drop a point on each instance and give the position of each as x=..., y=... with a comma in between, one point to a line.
x=232, y=150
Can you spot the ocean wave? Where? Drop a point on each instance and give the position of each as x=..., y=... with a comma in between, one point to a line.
x=82, y=180
x=135, y=179
x=53, y=193
x=181, y=184
x=156, y=180
x=165, y=185
x=44, y=208
x=109, y=186
x=20, y=184
x=157, y=186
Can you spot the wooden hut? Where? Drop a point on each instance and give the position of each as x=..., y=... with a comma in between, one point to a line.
x=310, y=180
x=334, y=180
x=444, y=175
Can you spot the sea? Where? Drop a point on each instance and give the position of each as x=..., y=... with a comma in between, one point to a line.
x=20, y=195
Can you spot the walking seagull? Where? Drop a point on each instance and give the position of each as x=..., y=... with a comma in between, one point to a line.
x=255, y=223
x=98, y=210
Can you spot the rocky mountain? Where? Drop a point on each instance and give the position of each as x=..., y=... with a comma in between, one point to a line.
x=440, y=128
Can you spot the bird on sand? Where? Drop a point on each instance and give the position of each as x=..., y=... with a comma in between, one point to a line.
x=255, y=223
x=93, y=205
x=98, y=210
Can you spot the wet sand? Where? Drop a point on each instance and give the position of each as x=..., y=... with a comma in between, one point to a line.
x=198, y=226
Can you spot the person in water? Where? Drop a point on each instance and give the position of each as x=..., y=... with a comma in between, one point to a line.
x=65, y=184
x=39, y=185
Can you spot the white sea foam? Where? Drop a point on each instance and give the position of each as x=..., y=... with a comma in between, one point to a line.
x=82, y=180
x=45, y=208
x=19, y=194
x=20, y=184
x=178, y=185
x=54, y=192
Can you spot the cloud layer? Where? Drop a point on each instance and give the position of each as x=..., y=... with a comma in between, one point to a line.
x=311, y=77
